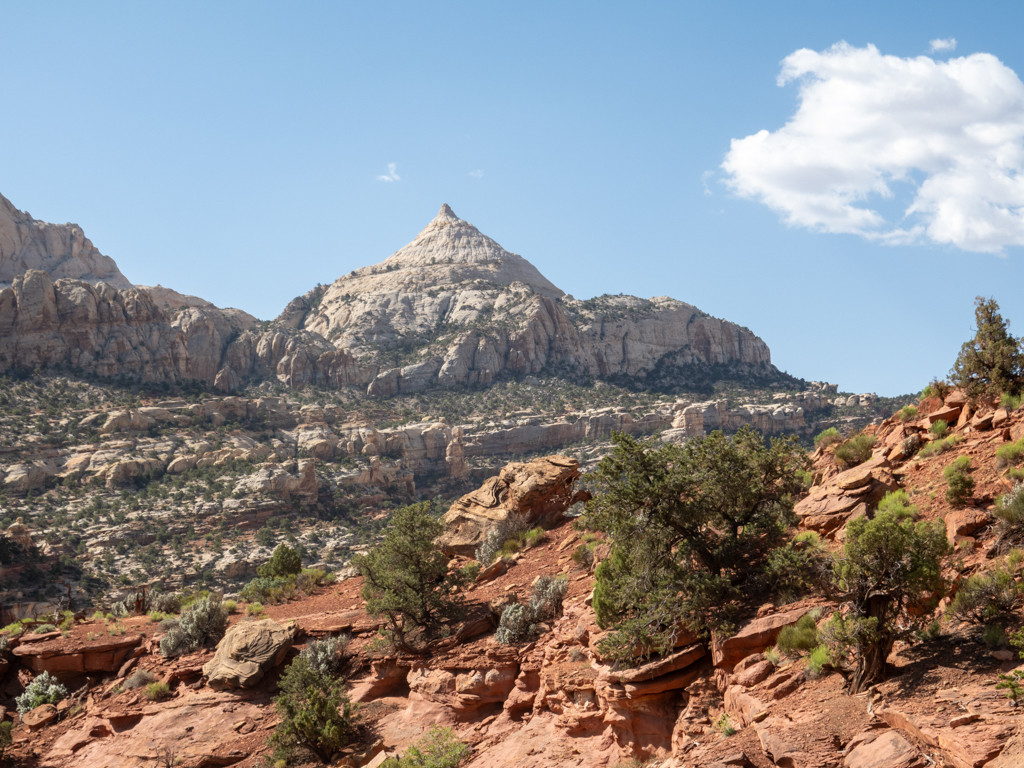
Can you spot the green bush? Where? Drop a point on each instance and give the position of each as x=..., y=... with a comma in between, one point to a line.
x=201, y=625
x=508, y=531
x=534, y=536
x=802, y=636
x=5, y=736
x=908, y=413
x=42, y=629
x=961, y=485
x=438, y=748
x=158, y=691
x=725, y=726
x=283, y=563
x=269, y=590
x=817, y=661
x=1010, y=455
x=827, y=437
x=316, y=715
x=854, y=451
x=987, y=596
x=1010, y=402
x=44, y=689
x=939, y=428
x=937, y=447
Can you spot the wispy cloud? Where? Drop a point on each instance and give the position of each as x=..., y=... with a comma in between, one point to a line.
x=943, y=44
x=869, y=126
x=477, y=174
x=390, y=175
x=704, y=179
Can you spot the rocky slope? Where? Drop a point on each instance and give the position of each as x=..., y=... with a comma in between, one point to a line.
x=451, y=309
x=555, y=701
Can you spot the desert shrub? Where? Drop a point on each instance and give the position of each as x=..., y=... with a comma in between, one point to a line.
x=710, y=508
x=987, y=596
x=1011, y=402
x=519, y=622
x=316, y=715
x=939, y=428
x=310, y=578
x=908, y=413
x=827, y=437
x=773, y=656
x=534, y=536
x=438, y=748
x=806, y=478
x=994, y=636
x=854, y=451
x=1011, y=683
x=202, y=624
x=139, y=679
x=504, y=531
x=158, y=690
x=911, y=444
x=6, y=739
x=471, y=570
x=165, y=602
x=156, y=617
x=817, y=661
x=937, y=447
x=802, y=636
x=269, y=590
x=1010, y=455
x=407, y=581
x=44, y=689
x=991, y=362
x=230, y=606
x=960, y=484
x=325, y=656
x=42, y=629
x=254, y=609
x=887, y=579
x=725, y=725
x=583, y=555
x=797, y=566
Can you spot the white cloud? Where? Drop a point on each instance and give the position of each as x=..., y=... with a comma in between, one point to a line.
x=943, y=44
x=390, y=175
x=477, y=174
x=870, y=126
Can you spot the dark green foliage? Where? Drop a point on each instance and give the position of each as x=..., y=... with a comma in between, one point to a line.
x=988, y=596
x=1011, y=683
x=961, y=484
x=939, y=428
x=5, y=736
x=684, y=523
x=854, y=451
x=802, y=636
x=827, y=437
x=438, y=748
x=796, y=567
x=991, y=363
x=284, y=562
x=889, y=577
x=1010, y=455
x=407, y=577
x=315, y=714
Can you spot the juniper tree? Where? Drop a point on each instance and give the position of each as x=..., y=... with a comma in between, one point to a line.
x=686, y=525
x=991, y=362
x=407, y=578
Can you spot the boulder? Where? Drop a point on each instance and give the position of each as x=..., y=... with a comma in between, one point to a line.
x=753, y=637
x=947, y=413
x=886, y=749
x=247, y=652
x=40, y=716
x=965, y=522
x=534, y=490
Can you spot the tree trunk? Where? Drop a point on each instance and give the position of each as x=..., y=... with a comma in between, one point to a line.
x=873, y=653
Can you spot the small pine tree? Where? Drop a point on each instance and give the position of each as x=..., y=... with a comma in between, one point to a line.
x=315, y=713
x=992, y=362
x=284, y=562
x=407, y=577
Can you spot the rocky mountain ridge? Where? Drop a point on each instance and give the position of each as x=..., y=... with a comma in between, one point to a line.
x=452, y=307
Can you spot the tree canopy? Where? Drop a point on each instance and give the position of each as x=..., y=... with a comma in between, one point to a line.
x=991, y=363
x=686, y=524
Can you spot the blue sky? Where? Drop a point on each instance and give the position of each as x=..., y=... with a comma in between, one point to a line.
x=234, y=151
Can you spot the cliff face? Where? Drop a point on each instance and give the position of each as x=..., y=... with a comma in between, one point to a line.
x=451, y=308
x=61, y=250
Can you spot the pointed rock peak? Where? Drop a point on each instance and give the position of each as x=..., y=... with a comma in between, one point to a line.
x=446, y=212
x=446, y=218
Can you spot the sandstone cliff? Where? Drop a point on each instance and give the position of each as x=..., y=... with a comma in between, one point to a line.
x=61, y=250
x=452, y=308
